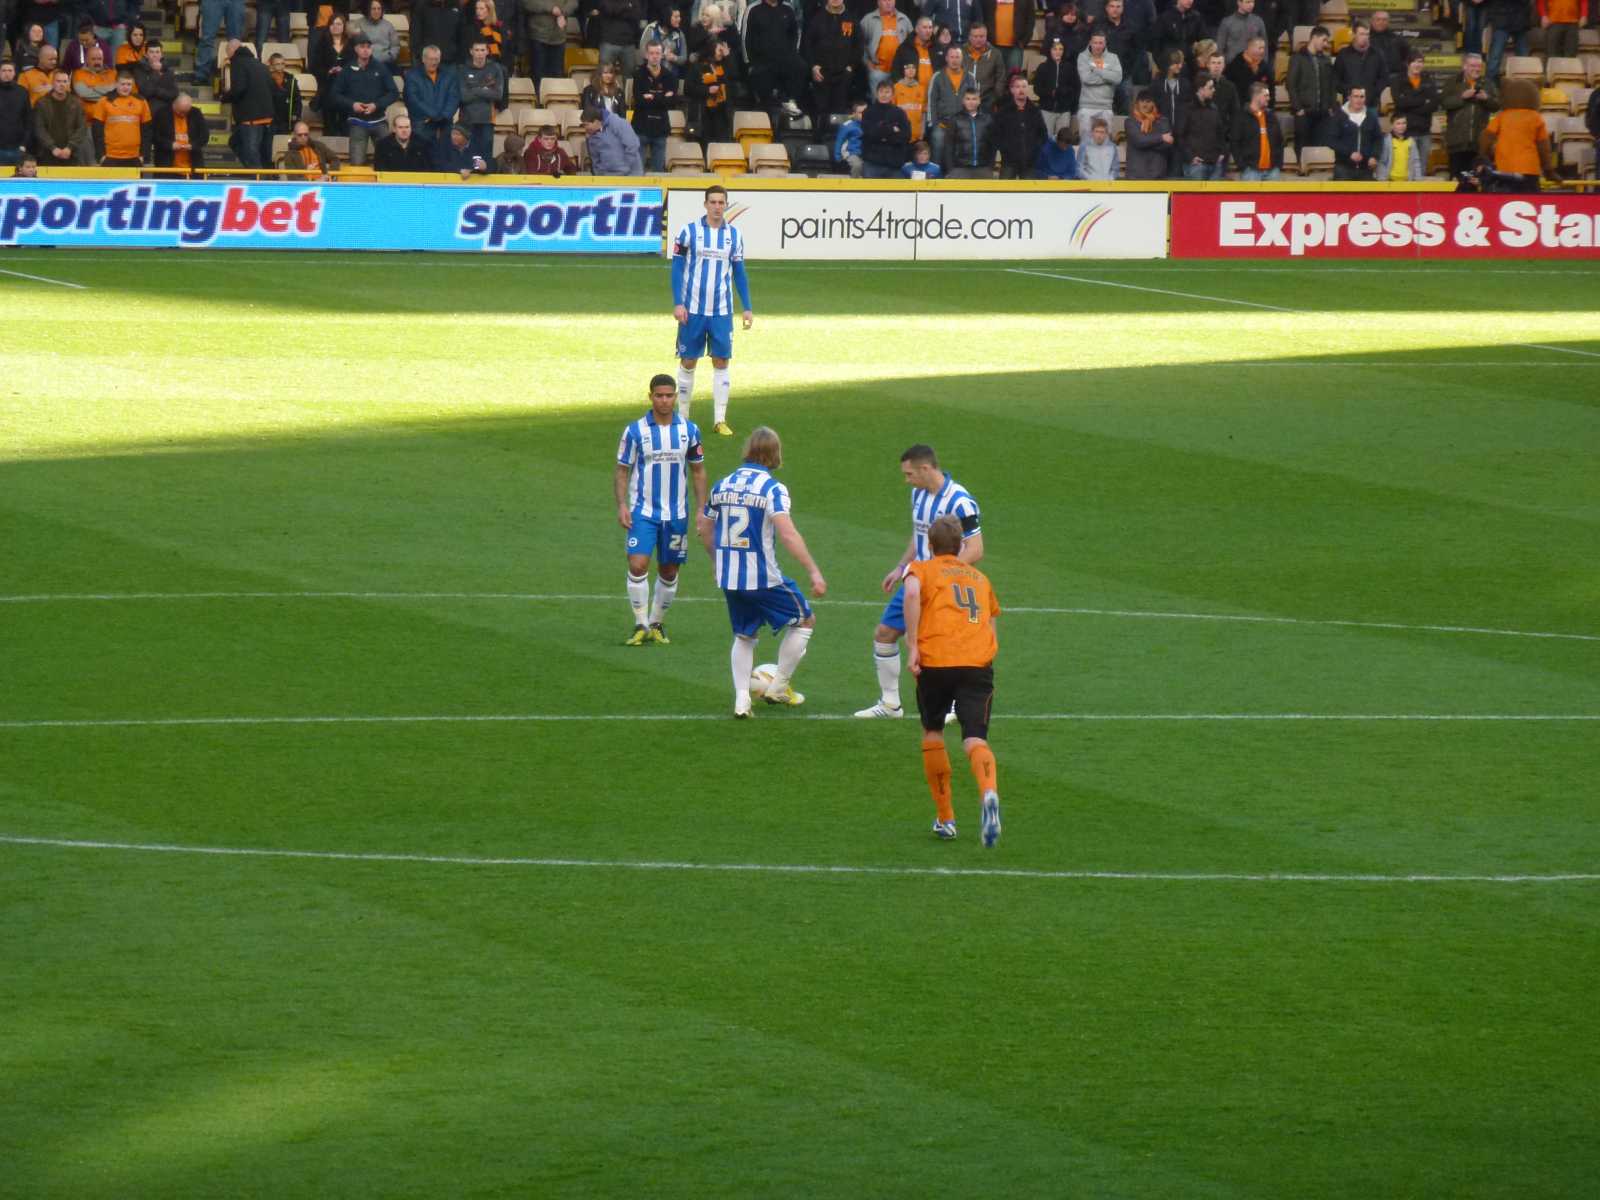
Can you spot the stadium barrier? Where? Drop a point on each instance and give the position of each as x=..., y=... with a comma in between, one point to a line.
x=1409, y=225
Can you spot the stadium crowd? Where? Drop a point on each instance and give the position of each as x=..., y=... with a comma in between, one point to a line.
x=1136, y=89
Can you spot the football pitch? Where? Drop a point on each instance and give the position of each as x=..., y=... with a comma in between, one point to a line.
x=345, y=850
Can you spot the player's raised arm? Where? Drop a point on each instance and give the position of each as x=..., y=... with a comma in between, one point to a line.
x=783, y=523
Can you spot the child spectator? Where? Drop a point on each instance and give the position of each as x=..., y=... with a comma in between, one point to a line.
x=1097, y=157
x=547, y=156
x=921, y=165
x=1400, y=160
x=847, y=143
x=912, y=96
x=1056, y=158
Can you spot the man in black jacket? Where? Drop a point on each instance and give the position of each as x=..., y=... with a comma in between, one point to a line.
x=365, y=89
x=248, y=88
x=1174, y=95
x=16, y=116
x=400, y=151
x=655, y=91
x=1358, y=65
x=1018, y=132
x=1355, y=138
x=437, y=23
x=1311, y=90
x=772, y=51
x=1179, y=28
x=885, y=136
x=1202, y=146
x=180, y=128
x=830, y=47
x=1258, y=138
x=155, y=80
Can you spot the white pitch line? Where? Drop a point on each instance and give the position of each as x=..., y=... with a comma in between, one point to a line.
x=1560, y=349
x=592, y=597
x=634, y=718
x=1135, y=287
x=41, y=279
x=458, y=860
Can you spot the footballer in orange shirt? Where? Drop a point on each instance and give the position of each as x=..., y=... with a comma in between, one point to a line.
x=950, y=628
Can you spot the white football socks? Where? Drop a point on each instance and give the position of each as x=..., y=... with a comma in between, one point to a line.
x=886, y=657
x=666, y=592
x=744, y=661
x=790, y=651
x=638, y=596
x=685, y=390
x=719, y=394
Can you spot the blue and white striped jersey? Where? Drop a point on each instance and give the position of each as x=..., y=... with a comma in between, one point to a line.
x=952, y=499
x=742, y=505
x=708, y=256
x=660, y=456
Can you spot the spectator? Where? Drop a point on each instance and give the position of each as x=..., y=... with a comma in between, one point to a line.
x=285, y=95
x=1097, y=156
x=76, y=56
x=38, y=79
x=547, y=22
x=613, y=146
x=1228, y=101
x=28, y=168
x=885, y=135
x=1100, y=74
x=912, y=97
x=307, y=155
x=1510, y=20
x=432, y=96
x=1591, y=119
x=329, y=54
x=1311, y=90
x=248, y=88
x=94, y=81
x=121, y=124
x=921, y=165
x=402, y=150
x=154, y=80
x=60, y=130
x=668, y=30
x=1257, y=141
x=1149, y=138
x=847, y=142
x=1356, y=138
x=920, y=50
x=620, y=22
x=1469, y=100
x=483, y=93
x=272, y=23
x=362, y=93
x=944, y=99
x=958, y=16
x=830, y=48
x=1174, y=96
x=216, y=15
x=1474, y=24
x=708, y=85
x=604, y=90
x=1250, y=68
x=1018, y=131
x=16, y=116
x=1388, y=46
x=547, y=156
x=179, y=133
x=455, y=157
x=1359, y=66
x=380, y=31
x=882, y=31
x=1179, y=28
x=1416, y=97
x=1010, y=25
x=480, y=21
x=1056, y=158
x=509, y=160
x=1517, y=140
x=131, y=51
x=1202, y=141
x=655, y=94
x=1055, y=82
x=1123, y=41
x=1401, y=159
x=26, y=52
x=971, y=140
x=772, y=51
x=1067, y=25
x=1235, y=31
x=437, y=23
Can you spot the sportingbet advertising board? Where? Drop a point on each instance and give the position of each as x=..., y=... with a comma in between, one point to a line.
x=936, y=224
x=331, y=216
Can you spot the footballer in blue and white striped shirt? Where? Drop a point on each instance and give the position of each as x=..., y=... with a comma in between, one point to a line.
x=738, y=523
x=658, y=453
x=708, y=257
x=933, y=495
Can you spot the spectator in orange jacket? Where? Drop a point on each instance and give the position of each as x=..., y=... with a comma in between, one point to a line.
x=122, y=121
x=1560, y=20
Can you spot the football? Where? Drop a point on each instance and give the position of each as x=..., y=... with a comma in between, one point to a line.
x=760, y=678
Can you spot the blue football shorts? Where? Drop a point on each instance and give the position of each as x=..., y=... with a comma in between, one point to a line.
x=667, y=540
x=778, y=607
x=699, y=336
x=894, y=612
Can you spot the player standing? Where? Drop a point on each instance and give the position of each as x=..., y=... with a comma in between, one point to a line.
x=708, y=256
x=950, y=645
x=933, y=495
x=655, y=454
x=737, y=525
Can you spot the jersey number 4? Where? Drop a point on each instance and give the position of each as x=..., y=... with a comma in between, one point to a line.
x=967, y=598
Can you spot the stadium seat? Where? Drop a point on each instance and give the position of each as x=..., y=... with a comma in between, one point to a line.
x=580, y=56
x=1036, y=37
x=1554, y=100
x=520, y=90
x=751, y=128
x=307, y=84
x=1518, y=66
x=559, y=93
x=506, y=120
x=1569, y=129
x=1280, y=97
x=533, y=118
x=581, y=77
x=1591, y=67
x=1565, y=70
x=769, y=160
x=579, y=149
x=1572, y=90
x=1335, y=10
x=1580, y=99
x=1291, y=164
x=814, y=158
x=397, y=109
x=1385, y=101
x=1580, y=157
x=1316, y=162
x=676, y=122
x=1280, y=69
x=1589, y=38
x=684, y=158
x=571, y=122
x=299, y=27
x=1302, y=35
x=726, y=158
x=1341, y=38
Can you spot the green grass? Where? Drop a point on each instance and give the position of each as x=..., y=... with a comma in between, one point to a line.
x=188, y=1025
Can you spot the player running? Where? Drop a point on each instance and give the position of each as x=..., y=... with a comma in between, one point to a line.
x=950, y=646
x=707, y=255
x=655, y=454
x=933, y=495
x=737, y=525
